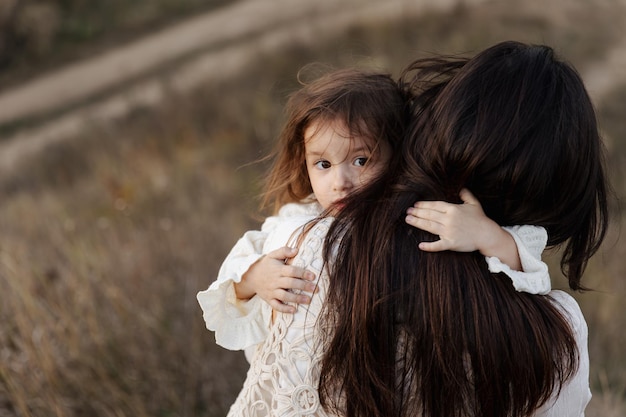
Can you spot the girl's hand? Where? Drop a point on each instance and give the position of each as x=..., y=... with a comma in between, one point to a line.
x=463, y=228
x=272, y=279
x=459, y=226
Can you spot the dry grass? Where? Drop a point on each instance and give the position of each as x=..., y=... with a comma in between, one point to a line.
x=101, y=275
x=105, y=240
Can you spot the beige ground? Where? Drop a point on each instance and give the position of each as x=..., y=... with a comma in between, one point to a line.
x=209, y=47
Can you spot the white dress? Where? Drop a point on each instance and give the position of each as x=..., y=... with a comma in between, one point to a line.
x=284, y=373
x=242, y=324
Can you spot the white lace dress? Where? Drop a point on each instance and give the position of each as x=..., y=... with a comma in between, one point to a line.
x=284, y=372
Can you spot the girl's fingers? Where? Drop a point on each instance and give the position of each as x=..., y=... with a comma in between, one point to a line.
x=283, y=308
x=283, y=253
x=288, y=283
x=428, y=214
x=467, y=197
x=424, y=224
x=284, y=301
x=440, y=206
x=290, y=297
x=287, y=297
x=296, y=272
x=436, y=246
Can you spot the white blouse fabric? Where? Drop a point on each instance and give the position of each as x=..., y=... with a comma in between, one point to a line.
x=284, y=372
x=534, y=277
x=241, y=324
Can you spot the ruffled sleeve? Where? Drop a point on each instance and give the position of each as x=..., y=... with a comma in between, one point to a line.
x=534, y=277
x=237, y=324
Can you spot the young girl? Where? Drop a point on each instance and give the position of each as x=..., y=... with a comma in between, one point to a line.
x=340, y=134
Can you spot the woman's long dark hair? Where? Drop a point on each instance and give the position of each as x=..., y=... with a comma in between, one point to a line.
x=436, y=334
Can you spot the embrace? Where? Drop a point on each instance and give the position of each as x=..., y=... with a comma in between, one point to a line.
x=416, y=211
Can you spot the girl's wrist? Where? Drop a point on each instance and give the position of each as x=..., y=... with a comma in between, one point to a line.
x=500, y=244
x=242, y=290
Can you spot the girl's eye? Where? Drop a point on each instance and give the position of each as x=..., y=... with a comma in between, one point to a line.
x=360, y=162
x=322, y=164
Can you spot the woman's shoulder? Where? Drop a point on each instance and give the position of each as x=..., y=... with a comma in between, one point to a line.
x=564, y=300
x=570, y=308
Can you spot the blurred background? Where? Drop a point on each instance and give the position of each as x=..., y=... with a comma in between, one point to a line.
x=128, y=135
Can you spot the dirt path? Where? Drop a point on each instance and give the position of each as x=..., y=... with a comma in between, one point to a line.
x=206, y=48
x=95, y=75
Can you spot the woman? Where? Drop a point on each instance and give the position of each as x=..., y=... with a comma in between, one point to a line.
x=395, y=333
x=437, y=334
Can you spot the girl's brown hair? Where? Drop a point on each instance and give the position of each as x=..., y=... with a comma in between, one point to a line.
x=370, y=105
x=436, y=334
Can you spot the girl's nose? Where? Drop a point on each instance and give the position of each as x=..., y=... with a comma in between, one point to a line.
x=342, y=180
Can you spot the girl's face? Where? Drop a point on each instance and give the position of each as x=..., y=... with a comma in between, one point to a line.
x=339, y=164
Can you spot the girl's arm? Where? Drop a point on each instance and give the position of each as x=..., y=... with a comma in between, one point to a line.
x=516, y=251
x=269, y=277
x=230, y=307
x=237, y=323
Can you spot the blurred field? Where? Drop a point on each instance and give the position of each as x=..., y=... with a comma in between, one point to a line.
x=38, y=35
x=105, y=239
